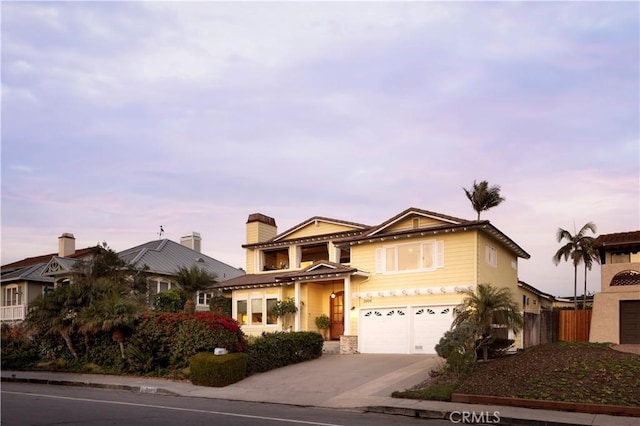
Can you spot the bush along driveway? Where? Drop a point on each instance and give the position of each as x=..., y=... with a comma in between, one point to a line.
x=560, y=372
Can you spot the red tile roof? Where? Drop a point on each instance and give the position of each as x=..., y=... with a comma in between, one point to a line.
x=618, y=240
x=44, y=259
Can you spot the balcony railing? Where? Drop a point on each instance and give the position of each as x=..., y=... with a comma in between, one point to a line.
x=12, y=313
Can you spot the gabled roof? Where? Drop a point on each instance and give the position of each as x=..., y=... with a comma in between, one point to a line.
x=485, y=226
x=279, y=241
x=318, y=219
x=59, y=266
x=618, y=240
x=165, y=257
x=415, y=211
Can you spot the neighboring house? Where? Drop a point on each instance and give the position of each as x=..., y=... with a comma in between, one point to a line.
x=616, y=309
x=539, y=326
x=389, y=288
x=22, y=281
x=162, y=258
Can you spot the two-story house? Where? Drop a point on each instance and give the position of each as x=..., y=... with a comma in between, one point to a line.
x=616, y=309
x=389, y=288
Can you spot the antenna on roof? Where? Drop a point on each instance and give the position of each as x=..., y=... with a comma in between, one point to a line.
x=161, y=232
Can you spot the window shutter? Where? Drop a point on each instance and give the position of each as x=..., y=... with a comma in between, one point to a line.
x=380, y=259
x=439, y=254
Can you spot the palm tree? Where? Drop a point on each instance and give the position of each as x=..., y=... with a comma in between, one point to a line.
x=589, y=255
x=192, y=280
x=574, y=248
x=113, y=313
x=485, y=306
x=483, y=197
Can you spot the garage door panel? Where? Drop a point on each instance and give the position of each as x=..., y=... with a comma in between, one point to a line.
x=383, y=330
x=429, y=324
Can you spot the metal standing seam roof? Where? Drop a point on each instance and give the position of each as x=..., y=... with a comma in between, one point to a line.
x=166, y=256
x=28, y=273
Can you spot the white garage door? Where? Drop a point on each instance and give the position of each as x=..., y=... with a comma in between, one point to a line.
x=429, y=324
x=383, y=331
x=403, y=330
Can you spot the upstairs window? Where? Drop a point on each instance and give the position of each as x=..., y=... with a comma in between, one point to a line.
x=424, y=256
x=491, y=256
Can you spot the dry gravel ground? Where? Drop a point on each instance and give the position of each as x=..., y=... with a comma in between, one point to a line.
x=575, y=372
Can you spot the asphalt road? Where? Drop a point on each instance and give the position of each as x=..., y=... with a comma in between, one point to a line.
x=29, y=404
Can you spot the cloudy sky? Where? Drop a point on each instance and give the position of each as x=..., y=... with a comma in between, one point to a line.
x=119, y=117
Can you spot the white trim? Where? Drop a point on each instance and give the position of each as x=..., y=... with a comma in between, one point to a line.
x=412, y=291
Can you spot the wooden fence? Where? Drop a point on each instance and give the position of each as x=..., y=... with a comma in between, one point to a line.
x=574, y=325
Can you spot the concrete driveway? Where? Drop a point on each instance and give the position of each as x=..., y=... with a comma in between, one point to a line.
x=337, y=381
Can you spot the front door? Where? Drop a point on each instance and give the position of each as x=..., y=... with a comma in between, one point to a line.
x=337, y=316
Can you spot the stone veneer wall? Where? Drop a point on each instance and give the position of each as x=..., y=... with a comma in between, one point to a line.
x=348, y=345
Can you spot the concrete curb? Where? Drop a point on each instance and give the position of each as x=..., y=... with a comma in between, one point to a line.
x=137, y=389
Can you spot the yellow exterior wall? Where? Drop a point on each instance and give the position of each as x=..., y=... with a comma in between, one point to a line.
x=407, y=223
x=504, y=275
x=318, y=228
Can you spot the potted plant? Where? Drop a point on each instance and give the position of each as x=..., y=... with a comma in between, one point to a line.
x=284, y=309
x=323, y=323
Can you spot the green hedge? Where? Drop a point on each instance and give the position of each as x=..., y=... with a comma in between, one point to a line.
x=208, y=369
x=275, y=350
x=18, y=351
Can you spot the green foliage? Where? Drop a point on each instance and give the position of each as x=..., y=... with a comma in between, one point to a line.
x=433, y=392
x=458, y=348
x=486, y=306
x=323, y=322
x=483, y=197
x=220, y=305
x=17, y=350
x=275, y=350
x=172, y=300
x=171, y=339
x=192, y=280
x=208, y=369
x=284, y=307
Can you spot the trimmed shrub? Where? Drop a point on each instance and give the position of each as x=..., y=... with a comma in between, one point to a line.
x=275, y=350
x=220, y=305
x=208, y=369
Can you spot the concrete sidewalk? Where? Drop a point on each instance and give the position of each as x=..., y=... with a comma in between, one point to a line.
x=362, y=382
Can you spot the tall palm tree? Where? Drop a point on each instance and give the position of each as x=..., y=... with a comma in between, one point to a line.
x=589, y=255
x=483, y=197
x=192, y=280
x=485, y=306
x=574, y=248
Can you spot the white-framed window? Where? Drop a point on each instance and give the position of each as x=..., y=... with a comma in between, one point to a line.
x=204, y=298
x=491, y=256
x=12, y=296
x=255, y=309
x=410, y=257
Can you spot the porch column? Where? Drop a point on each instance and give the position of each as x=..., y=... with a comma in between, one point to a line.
x=347, y=305
x=296, y=296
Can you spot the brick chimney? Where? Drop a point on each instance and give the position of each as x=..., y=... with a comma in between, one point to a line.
x=193, y=241
x=260, y=228
x=66, y=245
